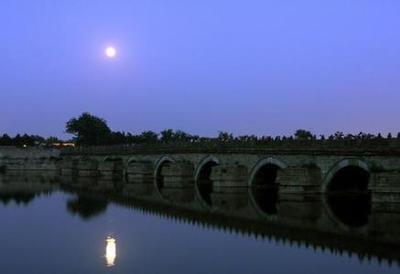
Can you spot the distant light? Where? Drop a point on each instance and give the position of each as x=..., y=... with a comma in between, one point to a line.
x=63, y=144
x=111, y=251
x=24, y=146
x=111, y=52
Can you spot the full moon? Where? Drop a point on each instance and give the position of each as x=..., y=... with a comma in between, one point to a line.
x=110, y=52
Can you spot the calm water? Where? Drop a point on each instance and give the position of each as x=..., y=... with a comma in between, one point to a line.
x=59, y=232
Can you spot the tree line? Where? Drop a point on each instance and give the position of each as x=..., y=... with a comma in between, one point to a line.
x=90, y=130
x=27, y=140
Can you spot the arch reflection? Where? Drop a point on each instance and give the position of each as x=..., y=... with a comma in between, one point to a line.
x=204, y=182
x=348, y=197
x=264, y=188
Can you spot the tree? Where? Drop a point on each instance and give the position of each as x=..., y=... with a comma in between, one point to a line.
x=6, y=140
x=182, y=136
x=27, y=140
x=148, y=137
x=52, y=140
x=225, y=136
x=302, y=134
x=89, y=130
x=18, y=141
x=338, y=135
x=167, y=135
x=118, y=138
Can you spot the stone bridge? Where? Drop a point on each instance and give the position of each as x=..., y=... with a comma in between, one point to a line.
x=286, y=172
x=282, y=171
x=293, y=190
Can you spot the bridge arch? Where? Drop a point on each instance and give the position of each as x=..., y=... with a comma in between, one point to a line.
x=131, y=160
x=2, y=164
x=111, y=159
x=159, y=165
x=205, y=163
x=128, y=162
x=202, y=179
x=263, y=185
x=265, y=162
x=115, y=159
x=355, y=166
x=346, y=195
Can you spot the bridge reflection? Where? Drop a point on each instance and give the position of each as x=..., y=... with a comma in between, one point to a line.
x=343, y=224
x=23, y=188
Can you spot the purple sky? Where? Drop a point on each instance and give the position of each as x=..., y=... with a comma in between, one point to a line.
x=245, y=66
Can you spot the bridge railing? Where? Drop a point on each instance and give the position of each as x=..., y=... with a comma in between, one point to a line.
x=383, y=146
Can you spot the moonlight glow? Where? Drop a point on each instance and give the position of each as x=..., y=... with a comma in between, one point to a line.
x=111, y=251
x=110, y=52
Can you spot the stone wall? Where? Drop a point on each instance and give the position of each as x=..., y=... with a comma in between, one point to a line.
x=15, y=159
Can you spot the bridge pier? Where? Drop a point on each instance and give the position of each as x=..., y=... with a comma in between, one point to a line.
x=178, y=175
x=385, y=187
x=300, y=208
x=225, y=176
x=299, y=180
x=234, y=201
x=178, y=196
x=140, y=173
x=104, y=184
x=385, y=216
x=110, y=169
x=83, y=182
x=87, y=168
x=68, y=167
x=138, y=190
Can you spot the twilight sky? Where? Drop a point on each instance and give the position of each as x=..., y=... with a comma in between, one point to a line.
x=244, y=66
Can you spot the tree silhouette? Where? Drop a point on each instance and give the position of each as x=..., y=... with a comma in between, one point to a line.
x=86, y=208
x=302, y=134
x=148, y=137
x=89, y=130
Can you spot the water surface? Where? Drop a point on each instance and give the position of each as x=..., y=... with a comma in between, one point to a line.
x=54, y=231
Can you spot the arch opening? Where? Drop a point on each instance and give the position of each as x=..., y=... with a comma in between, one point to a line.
x=130, y=163
x=265, y=188
x=348, y=197
x=2, y=165
x=204, y=182
x=159, y=177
